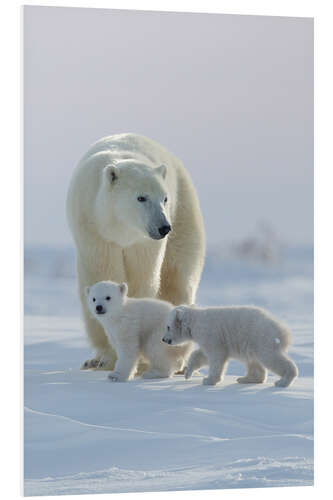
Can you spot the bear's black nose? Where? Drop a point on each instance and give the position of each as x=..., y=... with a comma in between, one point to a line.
x=164, y=230
x=99, y=308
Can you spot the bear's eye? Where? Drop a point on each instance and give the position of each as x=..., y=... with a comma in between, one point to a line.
x=165, y=199
x=168, y=328
x=108, y=298
x=142, y=198
x=94, y=300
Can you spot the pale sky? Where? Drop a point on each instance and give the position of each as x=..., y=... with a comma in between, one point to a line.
x=231, y=96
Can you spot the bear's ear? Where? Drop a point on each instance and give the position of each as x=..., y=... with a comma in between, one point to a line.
x=179, y=314
x=123, y=289
x=86, y=291
x=111, y=173
x=162, y=170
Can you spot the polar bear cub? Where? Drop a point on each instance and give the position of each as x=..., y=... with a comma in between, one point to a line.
x=135, y=329
x=246, y=333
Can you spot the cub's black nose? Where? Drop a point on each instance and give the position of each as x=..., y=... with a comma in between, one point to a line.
x=99, y=308
x=164, y=230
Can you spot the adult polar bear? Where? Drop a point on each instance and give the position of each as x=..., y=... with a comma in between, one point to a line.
x=135, y=218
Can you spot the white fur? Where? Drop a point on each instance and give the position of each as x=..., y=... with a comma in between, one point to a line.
x=135, y=328
x=246, y=333
x=114, y=232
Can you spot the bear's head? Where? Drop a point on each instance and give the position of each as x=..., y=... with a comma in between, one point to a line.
x=105, y=298
x=178, y=328
x=133, y=203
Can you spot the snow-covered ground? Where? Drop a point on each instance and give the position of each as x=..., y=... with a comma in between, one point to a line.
x=84, y=434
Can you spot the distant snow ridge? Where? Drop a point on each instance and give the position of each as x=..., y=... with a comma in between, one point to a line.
x=227, y=279
x=262, y=254
x=263, y=245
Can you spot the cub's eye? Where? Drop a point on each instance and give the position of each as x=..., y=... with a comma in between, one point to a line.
x=165, y=199
x=142, y=198
x=94, y=300
x=108, y=298
x=168, y=328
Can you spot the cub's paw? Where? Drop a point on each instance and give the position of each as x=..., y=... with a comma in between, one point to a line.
x=116, y=377
x=209, y=381
x=187, y=372
x=282, y=382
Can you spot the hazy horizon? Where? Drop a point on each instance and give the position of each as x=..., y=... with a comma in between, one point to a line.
x=231, y=96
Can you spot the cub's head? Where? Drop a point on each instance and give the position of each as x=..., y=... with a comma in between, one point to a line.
x=178, y=329
x=133, y=203
x=105, y=297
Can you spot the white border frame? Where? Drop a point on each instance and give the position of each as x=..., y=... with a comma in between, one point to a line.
x=12, y=242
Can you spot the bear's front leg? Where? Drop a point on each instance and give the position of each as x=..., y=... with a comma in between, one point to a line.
x=125, y=365
x=217, y=365
x=143, y=263
x=196, y=361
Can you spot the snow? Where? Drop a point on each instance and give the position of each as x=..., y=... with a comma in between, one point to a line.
x=84, y=434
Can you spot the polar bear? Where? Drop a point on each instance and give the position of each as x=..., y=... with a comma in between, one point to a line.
x=247, y=333
x=135, y=328
x=135, y=217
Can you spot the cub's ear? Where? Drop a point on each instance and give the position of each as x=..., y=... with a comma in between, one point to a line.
x=179, y=314
x=123, y=289
x=161, y=170
x=86, y=291
x=111, y=173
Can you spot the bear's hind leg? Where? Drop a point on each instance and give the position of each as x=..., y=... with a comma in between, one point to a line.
x=282, y=365
x=256, y=374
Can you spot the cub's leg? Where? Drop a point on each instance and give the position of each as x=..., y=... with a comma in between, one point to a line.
x=256, y=374
x=196, y=361
x=282, y=365
x=125, y=365
x=217, y=364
